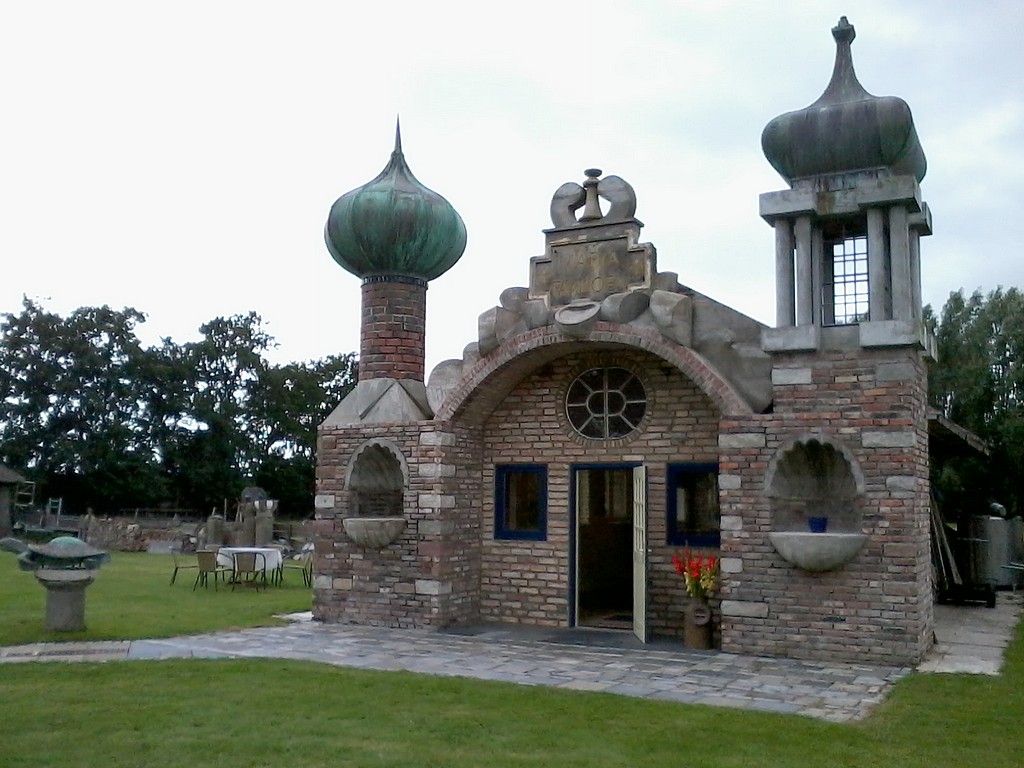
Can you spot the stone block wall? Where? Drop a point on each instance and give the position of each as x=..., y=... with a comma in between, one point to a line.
x=878, y=607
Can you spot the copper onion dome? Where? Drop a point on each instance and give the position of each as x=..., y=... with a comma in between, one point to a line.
x=395, y=226
x=846, y=129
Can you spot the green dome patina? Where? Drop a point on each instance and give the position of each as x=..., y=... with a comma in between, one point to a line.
x=846, y=129
x=395, y=226
x=62, y=552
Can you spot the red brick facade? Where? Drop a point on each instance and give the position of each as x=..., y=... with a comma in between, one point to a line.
x=447, y=567
x=391, y=342
x=840, y=436
x=530, y=581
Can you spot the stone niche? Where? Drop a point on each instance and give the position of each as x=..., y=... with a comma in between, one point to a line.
x=815, y=490
x=375, y=481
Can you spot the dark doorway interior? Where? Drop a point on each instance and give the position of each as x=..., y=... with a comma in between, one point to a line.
x=604, y=510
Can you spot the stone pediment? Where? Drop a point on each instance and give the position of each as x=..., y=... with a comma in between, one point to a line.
x=594, y=270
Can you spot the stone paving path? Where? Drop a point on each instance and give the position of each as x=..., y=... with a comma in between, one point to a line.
x=587, y=661
x=831, y=692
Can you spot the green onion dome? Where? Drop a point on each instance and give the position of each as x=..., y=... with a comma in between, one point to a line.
x=395, y=226
x=846, y=129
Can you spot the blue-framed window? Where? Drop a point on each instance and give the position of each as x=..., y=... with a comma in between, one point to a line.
x=694, y=518
x=521, y=502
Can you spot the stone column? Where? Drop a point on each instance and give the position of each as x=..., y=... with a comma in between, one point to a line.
x=804, y=296
x=65, y=598
x=817, y=277
x=785, y=276
x=915, y=273
x=899, y=263
x=878, y=266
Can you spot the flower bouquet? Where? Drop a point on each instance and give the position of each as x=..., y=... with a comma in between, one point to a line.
x=700, y=572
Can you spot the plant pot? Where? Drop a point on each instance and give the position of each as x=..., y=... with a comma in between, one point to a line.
x=697, y=624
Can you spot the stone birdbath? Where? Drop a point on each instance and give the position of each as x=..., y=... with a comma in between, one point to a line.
x=65, y=566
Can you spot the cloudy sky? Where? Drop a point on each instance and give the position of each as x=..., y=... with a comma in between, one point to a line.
x=180, y=158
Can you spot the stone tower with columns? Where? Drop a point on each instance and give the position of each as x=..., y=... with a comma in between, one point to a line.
x=826, y=551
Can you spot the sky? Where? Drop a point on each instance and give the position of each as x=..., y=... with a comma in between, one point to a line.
x=181, y=158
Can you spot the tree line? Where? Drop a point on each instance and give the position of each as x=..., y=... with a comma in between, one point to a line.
x=978, y=383
x=106, y=424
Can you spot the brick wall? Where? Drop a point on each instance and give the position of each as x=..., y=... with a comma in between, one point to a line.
x=878, y=607
x=447, y=568
x=428, y=576
x=529, y=581
x=391, y=341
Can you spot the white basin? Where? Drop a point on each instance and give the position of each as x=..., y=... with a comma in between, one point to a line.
x=817, y=551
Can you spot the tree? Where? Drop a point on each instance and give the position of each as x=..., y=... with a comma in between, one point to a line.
x=287, y=405
x=72, y=411
x=105, y=423
x=978, y=382
x=214, y=453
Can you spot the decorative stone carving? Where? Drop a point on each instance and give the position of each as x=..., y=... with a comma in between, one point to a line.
x=814, y=484
x=536, y=313
x=594, y=269
x=673, y=313
x=442, y=380
x=624, y=307
x=814, y=477
x=496, y=325
x=513, y=298
x=570, y=197
x=577, y=318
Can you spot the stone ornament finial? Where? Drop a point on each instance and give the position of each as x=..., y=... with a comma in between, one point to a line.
x=570, y=197
x=844, y=32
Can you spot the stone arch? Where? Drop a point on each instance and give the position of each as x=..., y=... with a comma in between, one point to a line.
x=815, y=476
x=376, y=477
x=475, y=396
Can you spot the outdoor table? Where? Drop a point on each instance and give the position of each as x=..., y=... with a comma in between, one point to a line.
x=271, y=555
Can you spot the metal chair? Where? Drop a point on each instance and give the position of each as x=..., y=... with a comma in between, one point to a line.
x=250, y=569
x=206, y=561
x=180, y=563
x=302, y=562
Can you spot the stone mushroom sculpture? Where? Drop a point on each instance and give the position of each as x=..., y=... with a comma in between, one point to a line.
x=65, y=566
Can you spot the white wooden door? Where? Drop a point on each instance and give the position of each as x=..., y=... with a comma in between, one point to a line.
x=640, y=553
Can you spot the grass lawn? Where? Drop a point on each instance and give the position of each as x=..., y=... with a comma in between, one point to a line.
x=131, y=599
x=256, y=713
